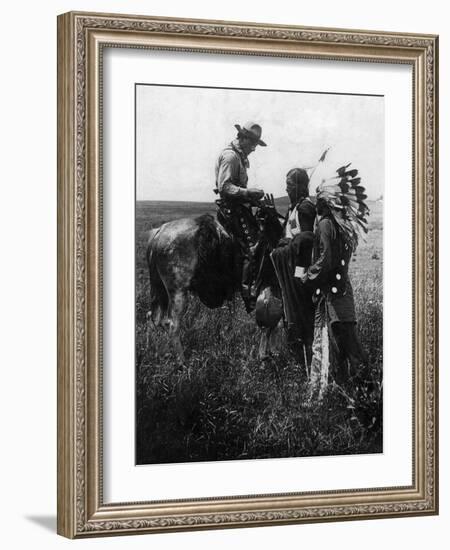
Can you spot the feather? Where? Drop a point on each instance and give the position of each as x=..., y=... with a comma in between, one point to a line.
x=324, y=154
x=363, y=225
x=346, y=197
x=352, y=173
x=345, y=187
x=342, y=169
x=359, y=188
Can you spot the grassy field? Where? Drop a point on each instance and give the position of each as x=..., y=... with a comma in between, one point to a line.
x=224, y=403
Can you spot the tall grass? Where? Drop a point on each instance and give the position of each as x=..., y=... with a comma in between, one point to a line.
x=223, y=403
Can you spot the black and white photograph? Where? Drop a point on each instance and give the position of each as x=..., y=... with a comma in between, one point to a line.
x=259, y=273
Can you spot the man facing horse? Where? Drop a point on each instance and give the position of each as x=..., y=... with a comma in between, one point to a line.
x=291, y=259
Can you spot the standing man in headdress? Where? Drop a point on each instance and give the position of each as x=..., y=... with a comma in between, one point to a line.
x=341, y=212
x=236, y=201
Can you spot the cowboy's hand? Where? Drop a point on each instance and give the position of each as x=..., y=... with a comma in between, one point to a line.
x=255, y=194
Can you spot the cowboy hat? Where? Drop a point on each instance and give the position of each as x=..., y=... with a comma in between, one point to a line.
x=251, y=130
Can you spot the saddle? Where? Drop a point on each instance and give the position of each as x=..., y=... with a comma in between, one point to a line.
x=239, y=221
x=252, y=261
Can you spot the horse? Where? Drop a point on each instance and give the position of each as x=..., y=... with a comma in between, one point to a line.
x=198, y=255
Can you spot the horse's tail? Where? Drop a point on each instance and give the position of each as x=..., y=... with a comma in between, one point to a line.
x=213, y=278
x=151, y=245
x=158, y=294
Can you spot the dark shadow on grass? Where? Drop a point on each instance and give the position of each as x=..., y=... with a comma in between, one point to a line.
x=46, y=522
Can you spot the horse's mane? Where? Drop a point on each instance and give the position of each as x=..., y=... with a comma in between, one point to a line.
x=216, y=278
x=208, y=239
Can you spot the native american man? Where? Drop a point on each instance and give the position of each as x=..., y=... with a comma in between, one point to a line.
x=342, y=215
x=291, y=259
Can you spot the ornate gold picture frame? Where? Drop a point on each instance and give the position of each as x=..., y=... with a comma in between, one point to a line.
x=82, y=41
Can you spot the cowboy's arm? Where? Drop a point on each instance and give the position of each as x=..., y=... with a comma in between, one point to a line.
x=228, y=172
x=318, y=272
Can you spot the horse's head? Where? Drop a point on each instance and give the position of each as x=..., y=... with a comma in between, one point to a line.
x=269, y=222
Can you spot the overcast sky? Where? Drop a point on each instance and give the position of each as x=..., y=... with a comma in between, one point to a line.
x=181, y=131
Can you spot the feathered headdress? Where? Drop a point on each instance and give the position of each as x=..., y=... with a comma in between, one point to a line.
x=345, y=196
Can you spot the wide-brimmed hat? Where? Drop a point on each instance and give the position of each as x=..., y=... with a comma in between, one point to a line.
x=251, y=130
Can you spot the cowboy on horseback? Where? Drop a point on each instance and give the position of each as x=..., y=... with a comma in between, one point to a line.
x=236, y=201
